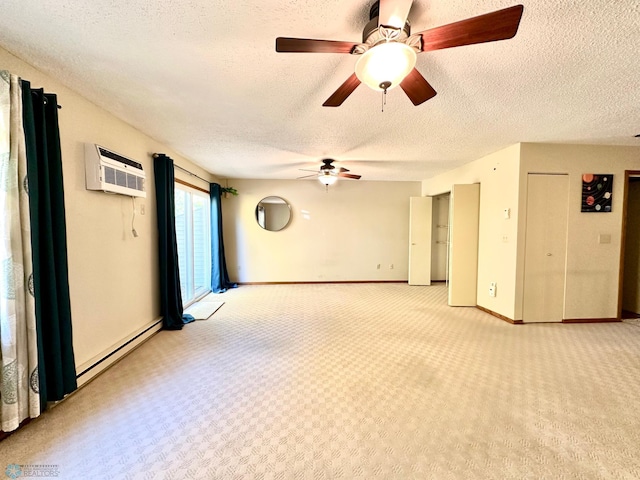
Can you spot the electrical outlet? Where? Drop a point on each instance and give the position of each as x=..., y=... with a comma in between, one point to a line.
x=378, y=267
x=492, y=289
x=142, y=211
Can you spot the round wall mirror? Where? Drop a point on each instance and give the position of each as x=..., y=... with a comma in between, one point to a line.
x=273, y=213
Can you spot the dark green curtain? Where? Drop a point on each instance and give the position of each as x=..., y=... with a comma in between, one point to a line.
x=56, y=363
x=219, y=276
x=171, y=307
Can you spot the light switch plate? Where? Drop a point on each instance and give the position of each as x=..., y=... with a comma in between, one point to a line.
x=604, y=238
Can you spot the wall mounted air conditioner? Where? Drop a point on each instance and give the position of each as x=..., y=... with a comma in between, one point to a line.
x=111, y=172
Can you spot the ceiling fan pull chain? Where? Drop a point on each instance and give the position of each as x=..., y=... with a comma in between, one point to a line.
x=384, y=86
x=384, y=99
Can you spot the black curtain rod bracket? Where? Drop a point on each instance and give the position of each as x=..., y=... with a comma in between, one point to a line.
x=45, y=101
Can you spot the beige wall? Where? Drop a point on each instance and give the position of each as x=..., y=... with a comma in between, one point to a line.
x=592, y=268
x=113, y=277
x=497, y=175
x=335, y=235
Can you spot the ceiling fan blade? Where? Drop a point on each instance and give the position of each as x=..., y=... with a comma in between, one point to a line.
x=417, y=88
x=394, y=13
x=342, y=170
x=341, y=94
x=490, y=27
x=306, y=45
x=307, y=170
x=350, y=175
x=307, y=176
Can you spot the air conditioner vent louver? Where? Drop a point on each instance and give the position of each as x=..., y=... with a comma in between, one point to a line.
x=123, y=179
x=119, y=158
x=111, y=172
x=110, y=175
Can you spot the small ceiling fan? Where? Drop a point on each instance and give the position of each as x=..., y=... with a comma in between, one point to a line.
x=388, y=49
x=327, y=173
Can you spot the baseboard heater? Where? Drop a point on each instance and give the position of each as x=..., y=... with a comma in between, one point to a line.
x=91, y=371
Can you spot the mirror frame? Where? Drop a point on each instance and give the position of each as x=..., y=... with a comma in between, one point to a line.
x=282, y=201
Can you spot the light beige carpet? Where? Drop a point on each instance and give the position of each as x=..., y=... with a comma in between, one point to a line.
x=379, y=381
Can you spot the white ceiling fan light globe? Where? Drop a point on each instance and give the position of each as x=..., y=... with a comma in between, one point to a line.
x=386, y=62
x=327, y=179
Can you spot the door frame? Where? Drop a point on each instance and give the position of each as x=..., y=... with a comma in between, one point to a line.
x=623, y=236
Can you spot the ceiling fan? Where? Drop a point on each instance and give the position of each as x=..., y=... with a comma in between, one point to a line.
x=388, y=49
x=327, y=173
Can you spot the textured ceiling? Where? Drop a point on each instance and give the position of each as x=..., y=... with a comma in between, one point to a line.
x=203, y=77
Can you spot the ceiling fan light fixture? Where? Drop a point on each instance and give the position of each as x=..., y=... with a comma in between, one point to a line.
x=384, y=64
x=327, y=179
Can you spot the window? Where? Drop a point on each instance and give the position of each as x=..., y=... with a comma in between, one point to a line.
x=194, y=242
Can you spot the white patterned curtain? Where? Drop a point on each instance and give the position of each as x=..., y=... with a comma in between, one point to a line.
x=19, y=387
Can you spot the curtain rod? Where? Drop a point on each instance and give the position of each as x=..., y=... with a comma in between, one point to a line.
x=156, y=155
x=190, y=173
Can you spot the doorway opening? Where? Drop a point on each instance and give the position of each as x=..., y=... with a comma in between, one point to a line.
x=629, y=283
x=440, y=238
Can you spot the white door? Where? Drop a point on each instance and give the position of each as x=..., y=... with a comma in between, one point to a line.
x=420, y=211
x=545, y=248
x=464, y=215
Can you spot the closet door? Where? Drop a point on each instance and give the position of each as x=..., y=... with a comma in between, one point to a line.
x=464, y=214
x=545, y=248
x=420, y=212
